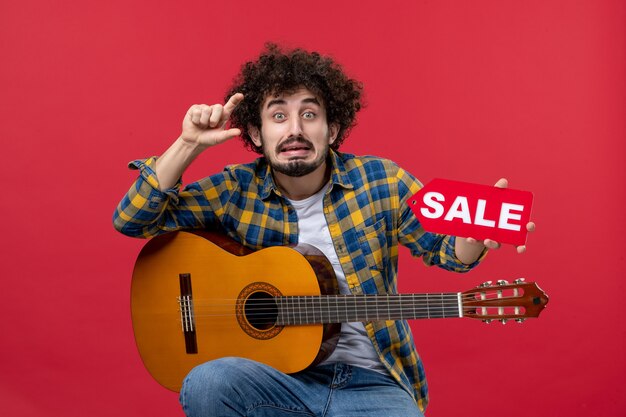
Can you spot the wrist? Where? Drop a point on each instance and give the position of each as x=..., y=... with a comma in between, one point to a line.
x=189, y=146
x=468, y=252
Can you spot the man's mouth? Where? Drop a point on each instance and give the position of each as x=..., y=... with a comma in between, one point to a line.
x=294, y=148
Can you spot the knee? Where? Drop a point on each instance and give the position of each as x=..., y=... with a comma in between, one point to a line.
x=213, y=385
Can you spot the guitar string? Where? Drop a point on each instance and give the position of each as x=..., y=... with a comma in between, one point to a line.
x=325, y=302
x=370, y=298
x=352, y=301
x=402, y=311
x=309, y=305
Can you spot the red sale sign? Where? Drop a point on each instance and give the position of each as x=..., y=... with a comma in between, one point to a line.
x=472, y=210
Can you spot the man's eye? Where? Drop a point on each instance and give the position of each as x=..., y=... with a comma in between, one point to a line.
x=308, y=115
x=279, y=116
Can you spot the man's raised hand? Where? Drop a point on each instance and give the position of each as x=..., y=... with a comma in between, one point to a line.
x=492, y=244
x=205, y=125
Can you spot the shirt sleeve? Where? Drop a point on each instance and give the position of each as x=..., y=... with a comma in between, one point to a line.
x=146, y=211
x=435, y=249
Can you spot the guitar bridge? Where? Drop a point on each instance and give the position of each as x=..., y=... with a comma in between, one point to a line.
x=187, y=317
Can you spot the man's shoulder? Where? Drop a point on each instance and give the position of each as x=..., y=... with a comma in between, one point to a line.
x=248, y=171
x=370, y=171
x=369, y=164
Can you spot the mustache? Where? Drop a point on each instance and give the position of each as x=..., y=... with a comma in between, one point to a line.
x=294, y=140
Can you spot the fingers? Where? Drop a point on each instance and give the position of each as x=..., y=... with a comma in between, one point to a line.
x=232, y=103
x=530, y=226
x=221, y=114
x=491, y=244
x=199, y=114
x=216, y=115
x=502, y=183
x=488, y=243
x=205, y=116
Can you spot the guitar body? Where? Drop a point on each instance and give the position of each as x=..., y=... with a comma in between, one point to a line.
x=219, y=278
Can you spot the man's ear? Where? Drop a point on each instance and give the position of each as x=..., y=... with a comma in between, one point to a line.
x=333, y=129
x=255, y=135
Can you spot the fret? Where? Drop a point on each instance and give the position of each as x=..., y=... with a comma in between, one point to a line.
x=308, y=314
x=407, y=306
x=377, y=314
x=388, y=311
x=305, y=307
x=310, y=309
x=443, y=307
x=365, y=306
x=319, y=310
x=279, y=317
x=435, y=306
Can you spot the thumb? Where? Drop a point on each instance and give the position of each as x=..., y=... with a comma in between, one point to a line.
x=224, y=135
x=502, y=183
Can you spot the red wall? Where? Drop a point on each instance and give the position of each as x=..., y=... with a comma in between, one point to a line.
x=533, y=91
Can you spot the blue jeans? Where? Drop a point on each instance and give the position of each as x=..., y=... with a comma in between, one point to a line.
x=241, y=387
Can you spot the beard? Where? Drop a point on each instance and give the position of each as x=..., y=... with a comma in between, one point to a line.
x=296, y=167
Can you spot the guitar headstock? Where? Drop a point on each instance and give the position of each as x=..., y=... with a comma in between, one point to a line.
x=504, y=301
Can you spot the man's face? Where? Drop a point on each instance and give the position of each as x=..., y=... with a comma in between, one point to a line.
x=295, y=135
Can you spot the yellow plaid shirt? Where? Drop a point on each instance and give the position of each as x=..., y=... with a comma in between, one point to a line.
x=367, y=213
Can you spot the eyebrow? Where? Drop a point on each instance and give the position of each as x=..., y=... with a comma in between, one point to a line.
x=279, y=101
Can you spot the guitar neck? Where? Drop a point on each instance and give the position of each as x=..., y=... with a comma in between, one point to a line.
x=298, y=310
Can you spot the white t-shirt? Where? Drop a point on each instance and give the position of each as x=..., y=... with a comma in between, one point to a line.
x=354, y=346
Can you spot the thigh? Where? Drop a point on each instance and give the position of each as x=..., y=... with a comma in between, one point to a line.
x=369, y=393
x=241, y=387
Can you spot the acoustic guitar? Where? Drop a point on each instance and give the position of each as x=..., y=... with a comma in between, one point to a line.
x=198, y=296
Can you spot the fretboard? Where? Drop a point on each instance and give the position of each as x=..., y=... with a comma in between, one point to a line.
x=296, y=310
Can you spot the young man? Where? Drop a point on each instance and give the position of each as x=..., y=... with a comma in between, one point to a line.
x=296, y=108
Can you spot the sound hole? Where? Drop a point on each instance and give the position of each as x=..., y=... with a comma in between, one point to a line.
x=261, y=310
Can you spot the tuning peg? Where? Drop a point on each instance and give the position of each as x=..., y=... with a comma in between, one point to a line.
x=519, y=281
x=520, y=320
x=503, y=321
x=485, y=284
x=503, y=282
x=488, y=321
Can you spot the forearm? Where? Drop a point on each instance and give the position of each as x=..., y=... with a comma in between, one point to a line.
x=172, y=164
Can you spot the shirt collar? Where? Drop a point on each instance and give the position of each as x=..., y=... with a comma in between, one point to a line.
x=338, y=175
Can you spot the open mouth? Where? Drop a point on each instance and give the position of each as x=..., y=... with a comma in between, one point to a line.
x=295, y=148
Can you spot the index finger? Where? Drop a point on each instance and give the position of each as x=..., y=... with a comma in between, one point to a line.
x=231, y=104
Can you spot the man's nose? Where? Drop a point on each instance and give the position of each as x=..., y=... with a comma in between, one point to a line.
x=295, y=127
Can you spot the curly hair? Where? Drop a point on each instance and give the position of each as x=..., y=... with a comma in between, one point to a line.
x=276, y=72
